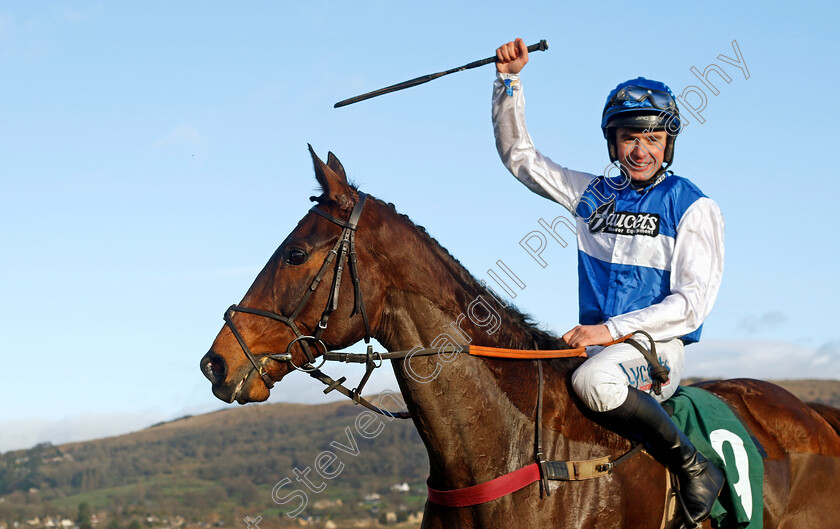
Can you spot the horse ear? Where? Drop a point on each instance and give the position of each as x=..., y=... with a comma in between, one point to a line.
x=332, y=178
x=335, y=165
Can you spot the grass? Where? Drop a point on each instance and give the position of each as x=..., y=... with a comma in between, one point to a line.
x=102, y=498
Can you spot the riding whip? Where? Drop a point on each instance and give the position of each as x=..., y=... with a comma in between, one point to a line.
x=540, y=46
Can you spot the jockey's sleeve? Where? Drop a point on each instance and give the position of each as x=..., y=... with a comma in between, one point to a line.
x=696, y=272
x=517, y=151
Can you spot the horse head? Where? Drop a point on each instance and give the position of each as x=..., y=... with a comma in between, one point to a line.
x=307, y=299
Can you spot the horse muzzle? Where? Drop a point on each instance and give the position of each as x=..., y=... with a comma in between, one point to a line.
x=240, y=388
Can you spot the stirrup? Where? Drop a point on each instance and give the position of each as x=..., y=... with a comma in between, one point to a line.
x=688, y=522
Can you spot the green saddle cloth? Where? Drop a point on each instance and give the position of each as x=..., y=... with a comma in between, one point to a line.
x=713, y=428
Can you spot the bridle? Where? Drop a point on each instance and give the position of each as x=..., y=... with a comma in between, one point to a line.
x=344, y=249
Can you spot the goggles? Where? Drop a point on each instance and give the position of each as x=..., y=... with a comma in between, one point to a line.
x=637, y=94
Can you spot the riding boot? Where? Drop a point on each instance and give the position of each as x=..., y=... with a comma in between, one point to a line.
x=699, y=479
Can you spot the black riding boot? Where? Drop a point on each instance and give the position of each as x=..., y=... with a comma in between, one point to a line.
x=700, y=480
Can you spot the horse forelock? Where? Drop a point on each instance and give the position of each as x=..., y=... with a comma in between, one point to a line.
x=323, y=200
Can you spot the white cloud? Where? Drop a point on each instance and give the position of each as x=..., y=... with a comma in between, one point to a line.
x=765, y=359
x=753, y=324
x=295, y=388
x=18, y=434
x=73, y=16
x=183, y=136
x=7, y=27
x=303, y=389
x=26, y=433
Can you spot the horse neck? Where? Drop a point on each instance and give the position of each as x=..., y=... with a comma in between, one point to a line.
x=476, y=417
x=427, y=289
x=432, y=296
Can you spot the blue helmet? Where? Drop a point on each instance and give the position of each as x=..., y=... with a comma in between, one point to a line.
x=641, y=104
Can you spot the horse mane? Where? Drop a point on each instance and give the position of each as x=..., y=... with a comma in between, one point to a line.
x=537, y=337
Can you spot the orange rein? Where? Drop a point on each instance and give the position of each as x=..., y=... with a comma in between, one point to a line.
x=520, y=354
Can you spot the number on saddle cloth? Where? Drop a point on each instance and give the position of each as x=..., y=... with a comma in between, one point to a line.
x=719, y=434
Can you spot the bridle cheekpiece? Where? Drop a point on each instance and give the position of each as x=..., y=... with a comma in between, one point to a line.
x=343, y=250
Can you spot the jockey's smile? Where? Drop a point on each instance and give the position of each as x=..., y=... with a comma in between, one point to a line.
x=640, y=152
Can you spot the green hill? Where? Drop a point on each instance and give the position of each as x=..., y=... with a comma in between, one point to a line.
x=220, y=467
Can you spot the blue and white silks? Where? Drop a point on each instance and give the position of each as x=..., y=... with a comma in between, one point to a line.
x=650, y=259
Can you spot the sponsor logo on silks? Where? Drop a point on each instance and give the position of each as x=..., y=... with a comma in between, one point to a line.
x=599, y=219
x=607, y=220
x=639, y=377
x=509, y=85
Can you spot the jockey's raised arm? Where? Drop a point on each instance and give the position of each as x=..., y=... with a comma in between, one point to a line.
x=650, y=258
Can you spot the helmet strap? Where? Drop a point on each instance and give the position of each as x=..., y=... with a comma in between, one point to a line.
x=639, y=186
x=611, y=148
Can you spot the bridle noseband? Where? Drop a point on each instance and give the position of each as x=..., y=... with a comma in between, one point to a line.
x=344, y=249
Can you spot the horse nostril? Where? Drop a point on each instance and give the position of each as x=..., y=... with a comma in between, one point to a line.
x=213, y=367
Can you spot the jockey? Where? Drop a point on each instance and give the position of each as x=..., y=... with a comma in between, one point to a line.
x=650, y=258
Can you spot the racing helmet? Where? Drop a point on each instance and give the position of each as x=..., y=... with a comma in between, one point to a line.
x=642, y=104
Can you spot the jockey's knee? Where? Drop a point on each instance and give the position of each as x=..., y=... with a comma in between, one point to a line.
x=598, y=389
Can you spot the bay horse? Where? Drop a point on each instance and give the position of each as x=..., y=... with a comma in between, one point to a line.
x=476, y=416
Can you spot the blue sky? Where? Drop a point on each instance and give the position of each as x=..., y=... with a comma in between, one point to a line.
x=154, y=155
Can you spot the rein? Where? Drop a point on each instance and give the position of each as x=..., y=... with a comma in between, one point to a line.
x=345, y=250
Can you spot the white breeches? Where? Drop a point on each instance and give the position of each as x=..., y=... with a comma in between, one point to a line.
x=602, y=381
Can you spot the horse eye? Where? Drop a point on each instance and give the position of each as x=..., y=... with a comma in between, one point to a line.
x=296, y=256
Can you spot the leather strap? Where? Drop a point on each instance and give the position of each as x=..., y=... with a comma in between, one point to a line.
x=659, y=374
x=487, y=491
x=578, y=470
x=538, y=450
x=518, y=479
x=497, y=352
